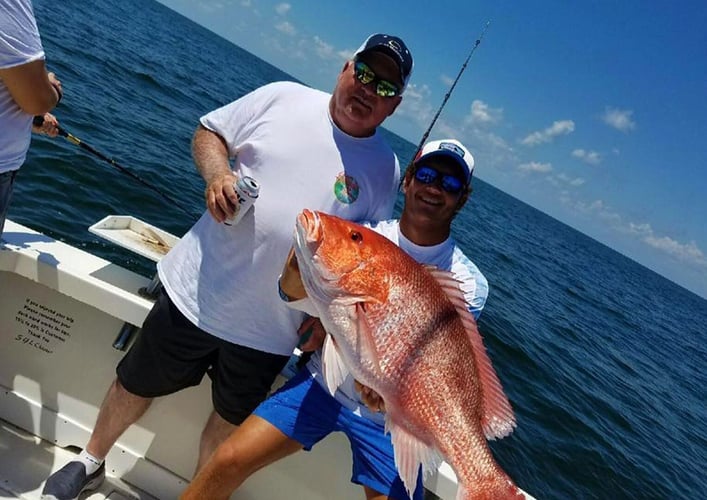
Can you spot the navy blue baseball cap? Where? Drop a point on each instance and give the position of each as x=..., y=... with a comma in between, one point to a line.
x=393, y=47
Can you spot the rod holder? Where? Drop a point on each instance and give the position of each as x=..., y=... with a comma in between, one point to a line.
x=128, y=331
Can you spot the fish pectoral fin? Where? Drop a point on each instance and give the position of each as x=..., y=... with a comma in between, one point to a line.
x=366, y=340
x=461, y=492
x=410, y=453
x=333, y=367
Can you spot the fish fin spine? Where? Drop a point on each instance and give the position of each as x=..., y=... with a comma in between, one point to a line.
x=497, y=418
x=333, y=367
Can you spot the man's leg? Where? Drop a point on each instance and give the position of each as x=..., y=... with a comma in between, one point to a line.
x=372, y=494
x=374, y=458
x=250, y=447
x=215, y=432
x=169, y=354
x=297, y=416
x=119, y=410
x=241, y=378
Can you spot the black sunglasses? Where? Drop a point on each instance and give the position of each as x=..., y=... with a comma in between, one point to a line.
x=428, y=175
x=366, y=75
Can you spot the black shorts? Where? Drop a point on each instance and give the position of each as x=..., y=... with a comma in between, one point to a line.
x=171, y=354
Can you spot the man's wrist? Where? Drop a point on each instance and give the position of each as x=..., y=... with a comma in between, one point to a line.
x=58, y=90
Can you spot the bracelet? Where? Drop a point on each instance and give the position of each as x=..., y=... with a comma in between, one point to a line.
x=58, y=92
x=283, y=295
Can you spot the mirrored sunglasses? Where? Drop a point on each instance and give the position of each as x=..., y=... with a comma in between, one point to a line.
x=428, y=175
x=366, y=75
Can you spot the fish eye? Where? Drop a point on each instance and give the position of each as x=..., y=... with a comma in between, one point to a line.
x=356, y=236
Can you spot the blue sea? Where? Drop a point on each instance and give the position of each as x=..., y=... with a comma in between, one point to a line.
x=603, y=359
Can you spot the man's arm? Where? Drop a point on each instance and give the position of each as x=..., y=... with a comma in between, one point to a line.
x=33, y=89
x=211, y=158
x=292, y=290
x=291, y=280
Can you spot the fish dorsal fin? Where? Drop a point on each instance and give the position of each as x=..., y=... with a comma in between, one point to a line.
x=409, y=454
x=333, y=367
x=497, y=419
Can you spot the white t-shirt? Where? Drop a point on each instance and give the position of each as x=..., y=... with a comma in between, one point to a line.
x=224, y=278
x=19, y=44
x=446, y=255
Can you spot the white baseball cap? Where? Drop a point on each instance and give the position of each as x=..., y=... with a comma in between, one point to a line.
x=449, y=148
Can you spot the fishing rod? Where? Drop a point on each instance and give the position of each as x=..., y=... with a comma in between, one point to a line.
x=39, y=120
x=449, y=93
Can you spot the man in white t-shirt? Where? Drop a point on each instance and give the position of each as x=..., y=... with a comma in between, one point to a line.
x=26, y=89
x=220, y=312
x=302, y=412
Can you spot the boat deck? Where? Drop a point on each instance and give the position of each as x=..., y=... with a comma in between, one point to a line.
x=25, y=478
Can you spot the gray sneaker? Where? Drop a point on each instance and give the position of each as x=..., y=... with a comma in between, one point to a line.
x=70, y=481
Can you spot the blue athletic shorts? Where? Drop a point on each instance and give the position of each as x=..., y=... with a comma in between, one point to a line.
x=305, y=412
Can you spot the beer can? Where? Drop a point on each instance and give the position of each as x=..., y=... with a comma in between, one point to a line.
x=247, y=190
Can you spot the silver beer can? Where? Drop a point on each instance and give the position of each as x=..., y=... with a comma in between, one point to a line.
x=247, y=189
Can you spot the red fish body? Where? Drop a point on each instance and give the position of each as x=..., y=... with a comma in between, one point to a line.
x=404, y=330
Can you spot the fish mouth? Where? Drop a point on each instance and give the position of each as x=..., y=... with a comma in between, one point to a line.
x=309, y=233
x=321, y=275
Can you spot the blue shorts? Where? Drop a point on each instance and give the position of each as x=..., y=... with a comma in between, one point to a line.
x=305, y=412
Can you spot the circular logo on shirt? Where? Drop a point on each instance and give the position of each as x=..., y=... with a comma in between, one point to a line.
x=346, y=188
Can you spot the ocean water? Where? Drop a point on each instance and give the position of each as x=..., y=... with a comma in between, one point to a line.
x=603, y=360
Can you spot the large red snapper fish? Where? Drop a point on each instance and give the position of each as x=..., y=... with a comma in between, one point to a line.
x=404, y=330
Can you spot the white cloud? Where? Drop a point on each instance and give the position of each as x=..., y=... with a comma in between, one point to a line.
x=685, y=252
x=416, y=107
x=535, y=166
x=323, y=49
x=482, y=114
x=688, y=252
x=558, y=128
x=286, y=27
x=577, y=181
x=620, y=119
x=590, y=157
x=447, y=80
x=283, y=8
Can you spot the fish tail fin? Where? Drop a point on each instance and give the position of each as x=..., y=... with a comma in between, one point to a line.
x=496, y=488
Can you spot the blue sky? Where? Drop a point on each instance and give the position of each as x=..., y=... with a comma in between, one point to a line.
x=593, y=112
